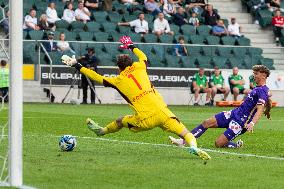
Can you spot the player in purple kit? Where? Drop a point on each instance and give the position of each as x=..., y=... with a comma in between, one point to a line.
x=240, y=119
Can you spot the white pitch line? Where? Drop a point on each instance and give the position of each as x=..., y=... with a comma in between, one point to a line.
x=167, y=145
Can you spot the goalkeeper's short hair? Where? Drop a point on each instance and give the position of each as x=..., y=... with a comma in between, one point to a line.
x=123, y=61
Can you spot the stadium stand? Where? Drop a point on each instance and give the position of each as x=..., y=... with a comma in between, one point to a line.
x=103, y=28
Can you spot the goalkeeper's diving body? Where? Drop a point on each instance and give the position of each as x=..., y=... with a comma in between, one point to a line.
x=240, y=119
x=135, y=87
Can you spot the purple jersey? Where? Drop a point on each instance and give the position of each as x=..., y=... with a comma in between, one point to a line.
x=245, y=113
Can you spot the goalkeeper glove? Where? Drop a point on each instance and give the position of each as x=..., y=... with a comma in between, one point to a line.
x=69, y=61
x=126, y=43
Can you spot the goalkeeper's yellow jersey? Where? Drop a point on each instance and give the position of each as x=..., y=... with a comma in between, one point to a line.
x=134, y=86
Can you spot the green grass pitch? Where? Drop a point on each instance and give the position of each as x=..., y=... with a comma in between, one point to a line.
x=113, y=164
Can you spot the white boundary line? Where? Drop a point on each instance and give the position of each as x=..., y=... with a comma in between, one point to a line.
x=167, y=145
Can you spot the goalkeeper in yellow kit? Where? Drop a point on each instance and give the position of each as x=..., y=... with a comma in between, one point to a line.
x=135, y=87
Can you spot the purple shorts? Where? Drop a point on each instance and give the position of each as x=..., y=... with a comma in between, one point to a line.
x=227, y=120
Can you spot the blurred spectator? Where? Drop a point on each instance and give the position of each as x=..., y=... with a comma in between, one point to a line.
x=210, y=16
x=273, y=5
x=234, y=28
x=200, y=85
x=82, y=13
x=161, y=26
x=51, y=13
x=30, y=21
x=218, y=85
x=69, y=14
x=195, y=5
x=107, y=5
x=92, y=5
x=180, y=17
x=180, y=48
x=5, y=22
x=220, y=29
x=252, y=83
x=4, y=80
x=193, y=20
x=169, y=8
x=237, y=83
x=50, y=45
x=43, y=24
x=62, y=45
x=129, y=2
x=152, y=6
x=140, y=25
x=278, y=25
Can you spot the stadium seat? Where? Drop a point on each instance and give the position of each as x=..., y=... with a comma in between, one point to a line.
x=236, y=62
x=225, y=52
x=159, y=51
x=55, y=57
x=194, y=50
x=175, y=29
x=204, y=62
x=203, y=30
x=124, y=30
x=240, y=51
x=114, y=17
x=86, y=36
x=228, y=40
x=254, y=51
x=100, y=16
x=153, y=61
x=173, y=61
x=149, y=18
x=129, y=18
x=116, y=36
x=209, y=51
x=265, y=17
x=188, y=30
x=197, y=39
x=166, y=38
x=220, y=62
x=150, y=38
x=136, y=37
x=36, y=35
x=70, y=36
x=62, y=24
x=109, y=26
x=267, y=62
x=188, y=61
x=93, y=26
x=243, y=41
x=101, y=36
x=147, y=49
x=105, y=59
x=25, y=34
x=77, y=25
x=212, y=40
x=111, y=49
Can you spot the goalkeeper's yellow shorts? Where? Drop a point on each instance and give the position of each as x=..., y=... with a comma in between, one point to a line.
x=163, y=119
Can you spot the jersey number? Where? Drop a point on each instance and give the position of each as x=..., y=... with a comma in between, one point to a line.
x=135, y=81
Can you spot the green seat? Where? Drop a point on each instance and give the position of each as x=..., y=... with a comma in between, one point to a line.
x=77, y=25
x=175, y=29
x=147, y=49
x=265, y=17
x=150, y=38
x=86, y=36
x=116, y=36
x=194, y=50
x=243, y=41
x=149, y=18
x=112, y=49
x=114, y=17
x=93, y=26
x=124, y=30
x=136, y=37
x=188, y=30
x=55, y=57
x=159, y=51
x=240, y=51
x=173, y=61
x=213, y=40
x=62, y=24
x=220, y=62
x=228, y=40
x=36, y=35
x=166, y=38
x=105, y=59
x=109, y=26
x=209, y=51
x=99, y=47
x=101, y=36
x=226, y=22
x=154, y=61
x=254, y=51
x=188, y=61
x=235, y=62
x=248, y=61
x=70, y=36
x=62, y=30
x=225, y=52
x=25, y=34
x=204, y=62
x=268, y=62
x=120, y=8
x=203, y=30
x=186, y=38
x=197, y=39
x=100, y=16
x=129, y=18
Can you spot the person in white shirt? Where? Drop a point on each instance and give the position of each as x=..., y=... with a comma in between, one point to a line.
x=51, y=13
x=234, y=28
x=161, y=26
x=140, y=25
x=62, y=45
x=169, y=8
x=82, y=13
x=30, y=21
x=69, y=14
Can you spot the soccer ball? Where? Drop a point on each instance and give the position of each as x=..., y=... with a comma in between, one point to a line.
x=67, y=143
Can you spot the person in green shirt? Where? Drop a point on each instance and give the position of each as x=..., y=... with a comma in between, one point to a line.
x=217, y=85
x=200, y=85
x=237, y=83
x=252, y=83
x=4, y=80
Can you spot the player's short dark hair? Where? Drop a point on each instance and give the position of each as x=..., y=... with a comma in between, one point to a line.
x=261, y=69
x=3, y=63
x=123, y=61
x=180, y=38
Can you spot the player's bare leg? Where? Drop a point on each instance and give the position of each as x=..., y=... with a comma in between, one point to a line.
x=196, y=96
x=226, y=92
x=208, y=92
x=236, y=92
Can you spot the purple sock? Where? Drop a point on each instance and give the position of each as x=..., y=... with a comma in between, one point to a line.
x=198, y=131
x=232, y=145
